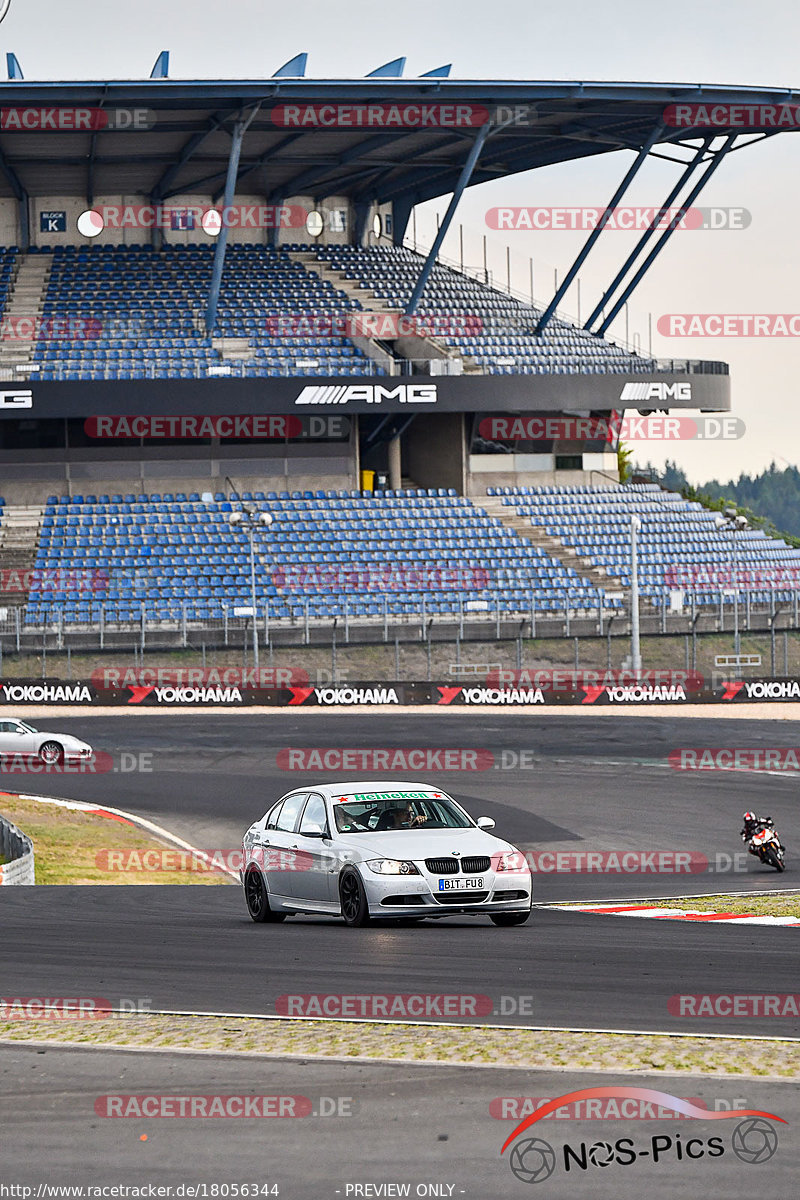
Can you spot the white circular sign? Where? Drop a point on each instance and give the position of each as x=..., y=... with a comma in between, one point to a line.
x=211, y=222
x=314, y=223
x=90, y=223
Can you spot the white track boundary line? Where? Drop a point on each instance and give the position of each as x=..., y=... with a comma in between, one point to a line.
x=650, y=899
x=663, y=911
x=234, y=1016
x=767, y=710
x=142, y=822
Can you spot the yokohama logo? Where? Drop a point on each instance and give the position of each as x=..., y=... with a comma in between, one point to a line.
x=405, y=393
x=46, y=693
x=656, y=391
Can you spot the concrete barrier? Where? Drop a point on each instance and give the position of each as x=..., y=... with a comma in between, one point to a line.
x=16, y=848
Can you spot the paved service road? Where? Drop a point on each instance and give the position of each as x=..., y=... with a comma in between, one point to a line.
x=410, y=1126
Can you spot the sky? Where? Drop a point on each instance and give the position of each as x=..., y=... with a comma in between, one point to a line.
x=752, y=270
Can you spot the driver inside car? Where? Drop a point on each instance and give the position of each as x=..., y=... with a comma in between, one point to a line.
x=401, y=818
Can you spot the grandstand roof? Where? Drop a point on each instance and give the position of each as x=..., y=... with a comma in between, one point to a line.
x=365, y=156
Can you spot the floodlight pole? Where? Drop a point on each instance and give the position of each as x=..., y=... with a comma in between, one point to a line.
x=636, y=655
x=251, y=535
x=737, y=645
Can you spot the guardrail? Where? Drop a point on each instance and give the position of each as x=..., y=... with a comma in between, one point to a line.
x=17, y=849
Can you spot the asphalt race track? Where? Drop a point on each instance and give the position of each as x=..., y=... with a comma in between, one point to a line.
x=195, y=949
x=593, y=784
x=394, y=1124
x=584, y=785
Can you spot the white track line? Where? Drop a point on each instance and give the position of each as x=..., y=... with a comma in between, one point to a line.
x=665, y=913
x=665, y=899
x=739, y=1037
x=773, y=710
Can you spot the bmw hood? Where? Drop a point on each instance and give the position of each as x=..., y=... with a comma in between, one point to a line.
x=417, y=844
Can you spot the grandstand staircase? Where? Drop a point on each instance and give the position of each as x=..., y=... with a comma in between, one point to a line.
x=19, y=539
x=372, y=303
x=596, y=575
x=25, y=301
x=351, y=287
x=232, y=349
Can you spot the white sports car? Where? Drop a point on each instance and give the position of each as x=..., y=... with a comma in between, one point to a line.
x=20, y=738
x=366, y=850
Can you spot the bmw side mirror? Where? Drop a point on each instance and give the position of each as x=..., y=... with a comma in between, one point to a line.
x=485, y=823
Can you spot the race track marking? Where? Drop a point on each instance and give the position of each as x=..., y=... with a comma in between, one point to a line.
x=673, y=914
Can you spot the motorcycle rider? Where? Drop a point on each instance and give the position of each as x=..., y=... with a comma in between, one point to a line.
x=753, y=825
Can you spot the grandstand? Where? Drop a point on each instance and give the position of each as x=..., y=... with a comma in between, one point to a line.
x=504, y=341
x=142, y=312
x=98, y=299
x=399, y=556
x=388, y=498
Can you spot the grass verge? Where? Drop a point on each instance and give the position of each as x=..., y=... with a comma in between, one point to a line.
x=528, y=1049
x=72, y=847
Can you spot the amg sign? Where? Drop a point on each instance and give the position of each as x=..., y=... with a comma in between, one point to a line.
x=18, y=398
x=637, y=392
x=369, y=393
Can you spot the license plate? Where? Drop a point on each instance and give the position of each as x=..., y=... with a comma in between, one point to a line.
x=460, y=885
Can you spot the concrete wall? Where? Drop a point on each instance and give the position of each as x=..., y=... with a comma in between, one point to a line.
x=30, y=476
x=17, y=847
x=337, y=213
x=435, y=451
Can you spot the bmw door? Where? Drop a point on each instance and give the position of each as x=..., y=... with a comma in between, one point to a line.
x=315, y=863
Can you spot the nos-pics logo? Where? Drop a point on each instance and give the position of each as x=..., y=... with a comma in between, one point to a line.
x=532, y=1159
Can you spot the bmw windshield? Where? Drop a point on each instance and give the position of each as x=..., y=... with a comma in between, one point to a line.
x=380, y=811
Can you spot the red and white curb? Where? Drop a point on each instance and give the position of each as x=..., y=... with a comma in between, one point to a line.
x=673, y=914
x=127, y=818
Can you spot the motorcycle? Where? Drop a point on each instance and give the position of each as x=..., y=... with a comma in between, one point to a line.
x=766, y=845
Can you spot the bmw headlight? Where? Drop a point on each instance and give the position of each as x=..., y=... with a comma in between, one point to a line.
x=514, y=860
x=391, y=866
